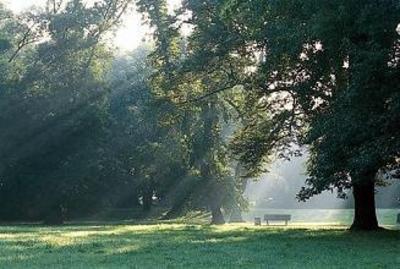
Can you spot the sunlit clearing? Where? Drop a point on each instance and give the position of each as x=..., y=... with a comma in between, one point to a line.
x=275, y=193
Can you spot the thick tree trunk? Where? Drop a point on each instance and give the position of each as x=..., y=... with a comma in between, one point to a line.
x=364, y=206
x=216, y=216
x=147, y=199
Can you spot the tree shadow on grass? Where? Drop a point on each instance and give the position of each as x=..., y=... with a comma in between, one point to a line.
x=194, y=246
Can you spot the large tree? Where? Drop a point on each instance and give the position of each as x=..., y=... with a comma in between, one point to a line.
x=337, y=63
x=202, y=121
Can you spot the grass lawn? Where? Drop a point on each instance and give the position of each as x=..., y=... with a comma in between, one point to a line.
x=196, y=246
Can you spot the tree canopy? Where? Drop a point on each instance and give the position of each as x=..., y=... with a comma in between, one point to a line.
x=317, y=74
x=184, y=122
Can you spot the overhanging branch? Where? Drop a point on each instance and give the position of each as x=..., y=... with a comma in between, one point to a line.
x=205, y=96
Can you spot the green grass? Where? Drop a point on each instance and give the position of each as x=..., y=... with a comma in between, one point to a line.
x=196, y=246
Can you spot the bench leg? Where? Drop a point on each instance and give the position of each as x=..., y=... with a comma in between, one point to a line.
x=286, y=222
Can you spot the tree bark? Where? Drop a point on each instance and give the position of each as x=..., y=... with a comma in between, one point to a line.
x=364, y=206
x=216, y=216
x=147, y=199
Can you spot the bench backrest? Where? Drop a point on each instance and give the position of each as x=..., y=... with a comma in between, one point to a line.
x=277, y=217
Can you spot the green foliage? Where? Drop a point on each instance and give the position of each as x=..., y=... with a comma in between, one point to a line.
x=314, y=73
x=53, y=103
x=273, y=78
x=86, y=131
x=200, y=123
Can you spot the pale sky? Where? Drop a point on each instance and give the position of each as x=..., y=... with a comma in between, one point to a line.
x=128, y=37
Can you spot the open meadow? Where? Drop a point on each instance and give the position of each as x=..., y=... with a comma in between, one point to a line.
x=196, y=246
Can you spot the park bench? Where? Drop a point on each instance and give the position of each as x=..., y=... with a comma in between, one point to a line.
x=277, y=217
x=257, y=221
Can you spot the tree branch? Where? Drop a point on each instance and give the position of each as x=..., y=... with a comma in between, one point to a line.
x=202, y=97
